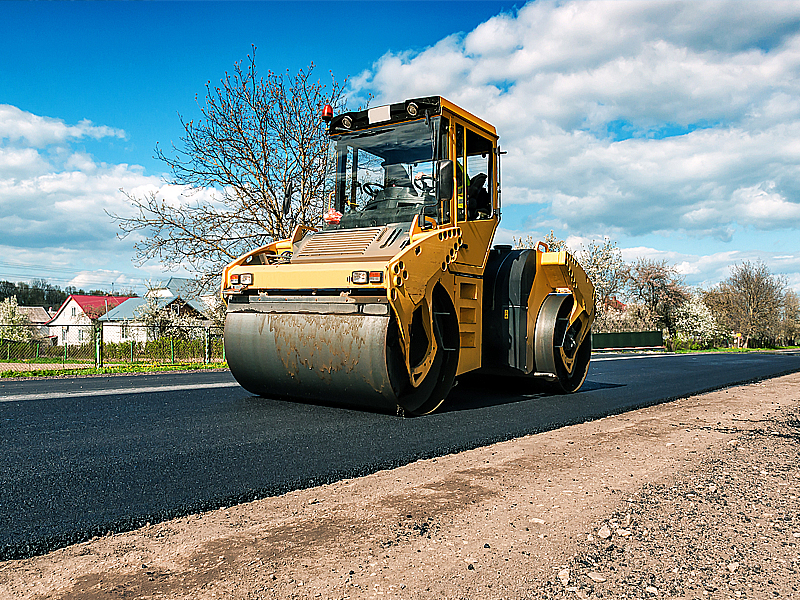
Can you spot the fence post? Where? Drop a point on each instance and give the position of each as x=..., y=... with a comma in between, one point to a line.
x=37, y=350
x=98, y=345
x=64, y=362
x=223, y=349
x=172, y=349
x=207, y=347
x=131, y=351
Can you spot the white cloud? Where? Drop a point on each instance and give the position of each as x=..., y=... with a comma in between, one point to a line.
x=55, y=204
x=67, y=207
x=628, y=119
x=21, y=127
x=20, y=162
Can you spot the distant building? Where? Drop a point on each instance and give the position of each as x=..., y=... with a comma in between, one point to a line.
x=38, y=318
x=72, y=321
x=175, y=299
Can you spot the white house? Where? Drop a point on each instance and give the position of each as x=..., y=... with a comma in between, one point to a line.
x=125, y=322
x=39, y=318
x=72, y=323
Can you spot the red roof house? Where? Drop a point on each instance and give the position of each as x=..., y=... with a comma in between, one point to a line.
x=78, y=311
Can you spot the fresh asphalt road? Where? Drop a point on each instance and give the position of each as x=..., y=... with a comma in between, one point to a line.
x=83, y=456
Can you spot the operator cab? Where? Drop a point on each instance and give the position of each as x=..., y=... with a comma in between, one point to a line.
x=395, y=163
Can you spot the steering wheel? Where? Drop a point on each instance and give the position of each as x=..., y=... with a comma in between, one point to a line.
x=424, y=183
x=372, y=188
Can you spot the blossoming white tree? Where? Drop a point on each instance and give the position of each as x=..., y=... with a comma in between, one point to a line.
x=696, y=325
x=14, y=324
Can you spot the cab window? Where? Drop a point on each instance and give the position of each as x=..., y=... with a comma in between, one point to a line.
x=474, y=169
x=480, y=163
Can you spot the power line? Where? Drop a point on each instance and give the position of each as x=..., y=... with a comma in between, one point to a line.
x=6, y=266
x=64, y=278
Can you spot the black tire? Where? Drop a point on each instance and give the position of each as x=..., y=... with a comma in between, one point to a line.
x=551, y=331
x=572, y=382
x=432, y=391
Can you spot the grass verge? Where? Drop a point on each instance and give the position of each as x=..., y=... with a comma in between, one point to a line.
x=112, y=370
x=736, y=350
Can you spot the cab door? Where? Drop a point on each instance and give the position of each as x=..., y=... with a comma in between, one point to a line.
x=474, y=151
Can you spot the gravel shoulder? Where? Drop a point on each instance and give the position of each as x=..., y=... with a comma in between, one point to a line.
x=695, y=498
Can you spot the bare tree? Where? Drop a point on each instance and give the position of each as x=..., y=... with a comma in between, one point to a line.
x=790, y=318
x=749, y=302
x=259, y=141
x=602, y=261
x=618, y=317
x=658, y=286
x=554, y=243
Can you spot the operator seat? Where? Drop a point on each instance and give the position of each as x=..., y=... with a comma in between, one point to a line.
x=479, y=202
x=396, y=176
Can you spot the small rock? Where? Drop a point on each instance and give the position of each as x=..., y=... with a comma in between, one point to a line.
x=650, y=589
x=471, y=567
x=623, y=532
x=486, y=546
x=563, y=575
x=537, y=521
x=596, y=577
x=604, y=532
x=733, y=566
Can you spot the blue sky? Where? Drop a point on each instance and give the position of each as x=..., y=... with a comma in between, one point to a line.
x=135, y=66
x=671, y=127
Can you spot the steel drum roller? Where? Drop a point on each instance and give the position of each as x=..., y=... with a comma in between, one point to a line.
x=336, y=358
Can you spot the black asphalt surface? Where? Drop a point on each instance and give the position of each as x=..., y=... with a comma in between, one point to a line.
x=84, y=456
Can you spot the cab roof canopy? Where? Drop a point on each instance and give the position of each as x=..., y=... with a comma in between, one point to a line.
x=408, y=110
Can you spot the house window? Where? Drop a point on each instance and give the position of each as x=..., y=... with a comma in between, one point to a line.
x=63, y=335
x=74, y=311
x=125, y=331
x=80, y=335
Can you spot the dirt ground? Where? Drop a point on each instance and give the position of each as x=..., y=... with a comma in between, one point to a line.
x=696, y=498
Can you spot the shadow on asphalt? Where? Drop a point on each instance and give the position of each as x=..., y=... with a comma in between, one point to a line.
x=471, y=392
x=482, y=391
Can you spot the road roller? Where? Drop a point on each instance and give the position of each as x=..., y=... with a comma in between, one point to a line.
x=399, y=290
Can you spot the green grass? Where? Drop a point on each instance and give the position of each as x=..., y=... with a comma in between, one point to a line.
x=738, y=350
x=47, y=360
x=124, y=368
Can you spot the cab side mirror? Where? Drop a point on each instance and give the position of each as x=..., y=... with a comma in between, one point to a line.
x=445, y=182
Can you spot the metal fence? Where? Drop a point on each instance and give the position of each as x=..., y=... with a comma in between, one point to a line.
x=628, y=339
x=23, y=348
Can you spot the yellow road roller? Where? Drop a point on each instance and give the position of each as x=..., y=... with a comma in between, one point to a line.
x=399, y=291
